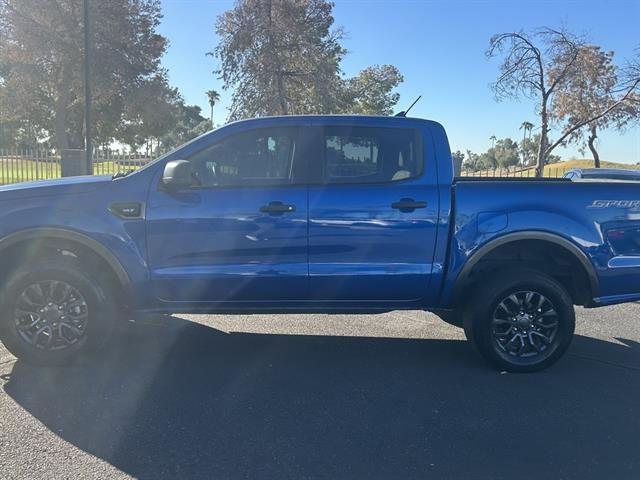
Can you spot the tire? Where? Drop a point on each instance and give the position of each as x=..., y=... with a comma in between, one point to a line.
x=53, y=313
x=452, y=317
x=522, y=321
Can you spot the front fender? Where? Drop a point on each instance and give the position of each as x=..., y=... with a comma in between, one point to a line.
x=84, y=217
x=70, y=236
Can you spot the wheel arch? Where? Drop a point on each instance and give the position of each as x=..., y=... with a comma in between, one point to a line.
x=70, y=237
x=558, y=241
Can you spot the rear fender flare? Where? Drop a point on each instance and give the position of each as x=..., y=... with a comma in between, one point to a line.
x=569, y=246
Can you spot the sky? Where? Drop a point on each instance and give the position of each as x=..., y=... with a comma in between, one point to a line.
x=439, y=47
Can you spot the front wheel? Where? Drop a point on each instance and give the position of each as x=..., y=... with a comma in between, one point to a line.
x=52, y=313
x=522, y=321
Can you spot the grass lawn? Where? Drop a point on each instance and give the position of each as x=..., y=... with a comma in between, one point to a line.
x=587, y=163
x=21, y=170
x=556, y=169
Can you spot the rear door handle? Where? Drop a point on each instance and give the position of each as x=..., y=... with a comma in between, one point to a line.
x=408, y=205
x=277, y=208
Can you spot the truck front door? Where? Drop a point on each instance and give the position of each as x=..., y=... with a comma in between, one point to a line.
x=240, y=233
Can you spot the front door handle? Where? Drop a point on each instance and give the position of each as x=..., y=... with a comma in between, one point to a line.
x=408, y=205
x=277, y=208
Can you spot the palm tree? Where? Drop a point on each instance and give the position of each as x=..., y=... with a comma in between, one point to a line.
x=493, y=140
x=526, y=128
x=214, y=97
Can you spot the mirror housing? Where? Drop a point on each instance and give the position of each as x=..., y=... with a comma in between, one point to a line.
x=177, y=174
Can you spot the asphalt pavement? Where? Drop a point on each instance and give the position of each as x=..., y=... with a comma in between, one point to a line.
x=392, y=396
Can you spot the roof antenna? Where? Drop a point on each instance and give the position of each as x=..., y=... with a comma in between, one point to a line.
x=404, y=112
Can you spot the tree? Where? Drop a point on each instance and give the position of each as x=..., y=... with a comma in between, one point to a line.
x=41, y=50
x=150, y=112
x=493, y=139
x=526, y=128
x=280, y=56
x=504, y=154
x=473, y=162
x=214, y=97
x=457, y=158
x=537, y=66
x=524, y=71
x=371, y=91
x=188, y=123
x=590, y=90
x=531, y=150
x=283, y=57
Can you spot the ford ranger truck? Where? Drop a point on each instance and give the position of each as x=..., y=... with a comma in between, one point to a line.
x=334, y=214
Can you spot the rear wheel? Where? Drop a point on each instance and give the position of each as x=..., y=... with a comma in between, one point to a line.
x=521, y=321
x=53, y=313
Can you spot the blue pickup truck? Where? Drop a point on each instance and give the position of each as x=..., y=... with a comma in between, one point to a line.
x=335, y=214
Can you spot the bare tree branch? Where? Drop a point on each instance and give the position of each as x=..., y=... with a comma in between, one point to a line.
x=600, y=115
x=537, y=65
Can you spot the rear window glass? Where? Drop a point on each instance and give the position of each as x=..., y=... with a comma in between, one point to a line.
x=370, y=155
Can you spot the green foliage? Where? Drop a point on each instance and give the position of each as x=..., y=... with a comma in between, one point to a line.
x=21, y=134
x=41, y=53
x=214, y=97
x=506, y=153
x=279, y=56
x=187, y=124
x=371, y=91
x=150, y=112
x=169, y=125
x=503, y=154
x=283, y=57
x=529, y=150
x=472, y=162
x=531, y=146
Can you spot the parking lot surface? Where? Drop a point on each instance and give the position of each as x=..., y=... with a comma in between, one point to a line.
x=392, y=396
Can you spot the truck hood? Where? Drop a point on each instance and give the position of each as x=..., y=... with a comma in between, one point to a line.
x=62, y=186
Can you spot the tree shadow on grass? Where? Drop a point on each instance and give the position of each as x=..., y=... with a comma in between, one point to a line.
x=189, y=401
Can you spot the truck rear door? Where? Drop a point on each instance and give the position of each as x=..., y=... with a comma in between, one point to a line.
x=373, y=214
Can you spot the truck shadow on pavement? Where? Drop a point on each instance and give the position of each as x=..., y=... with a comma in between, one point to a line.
x=189, y=401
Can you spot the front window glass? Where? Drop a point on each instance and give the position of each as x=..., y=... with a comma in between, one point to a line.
x=256, y=157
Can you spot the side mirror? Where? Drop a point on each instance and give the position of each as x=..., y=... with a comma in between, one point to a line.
x=177, y=174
